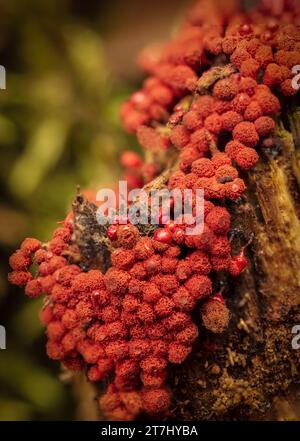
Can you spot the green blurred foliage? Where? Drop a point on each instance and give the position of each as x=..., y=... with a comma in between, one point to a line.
x=59, y=127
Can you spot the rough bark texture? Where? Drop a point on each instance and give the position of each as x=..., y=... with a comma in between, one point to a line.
x=251, y=370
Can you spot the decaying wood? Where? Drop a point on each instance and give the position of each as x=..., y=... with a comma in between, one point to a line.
x=89, y=237
x=251, y=370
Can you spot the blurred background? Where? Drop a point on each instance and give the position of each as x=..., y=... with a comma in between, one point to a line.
x=69, y=65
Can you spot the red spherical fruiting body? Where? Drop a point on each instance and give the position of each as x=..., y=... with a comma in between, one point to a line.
x=225, y=89
x=215, y=315
x=246, y=133
x=127, y=236
x=144, y=248
x=112, y=232
x=30, y=245
x=264, y=125
x=247, y=158
x=239, y=262
x=199, y=286
x=230, y=119
x=178, y=352
x=19, y=261
x=19, y=278
x=163, y=235
x=130, y=159
x=33, y=288
x=156, y=401
x=245, y=29
x=180, y=136
x=218, y=219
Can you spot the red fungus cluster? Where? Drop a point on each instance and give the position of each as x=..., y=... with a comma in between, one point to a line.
x=212, y=94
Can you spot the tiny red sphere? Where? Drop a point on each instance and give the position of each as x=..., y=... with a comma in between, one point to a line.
x=112, y=232
x=245, y=29
x=163, y=235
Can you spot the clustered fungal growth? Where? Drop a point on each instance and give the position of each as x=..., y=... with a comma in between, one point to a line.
x=212, y=94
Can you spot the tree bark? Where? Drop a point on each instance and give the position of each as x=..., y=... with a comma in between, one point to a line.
x=251, y=370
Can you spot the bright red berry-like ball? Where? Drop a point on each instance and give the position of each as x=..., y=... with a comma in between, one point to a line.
x=163, y=235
